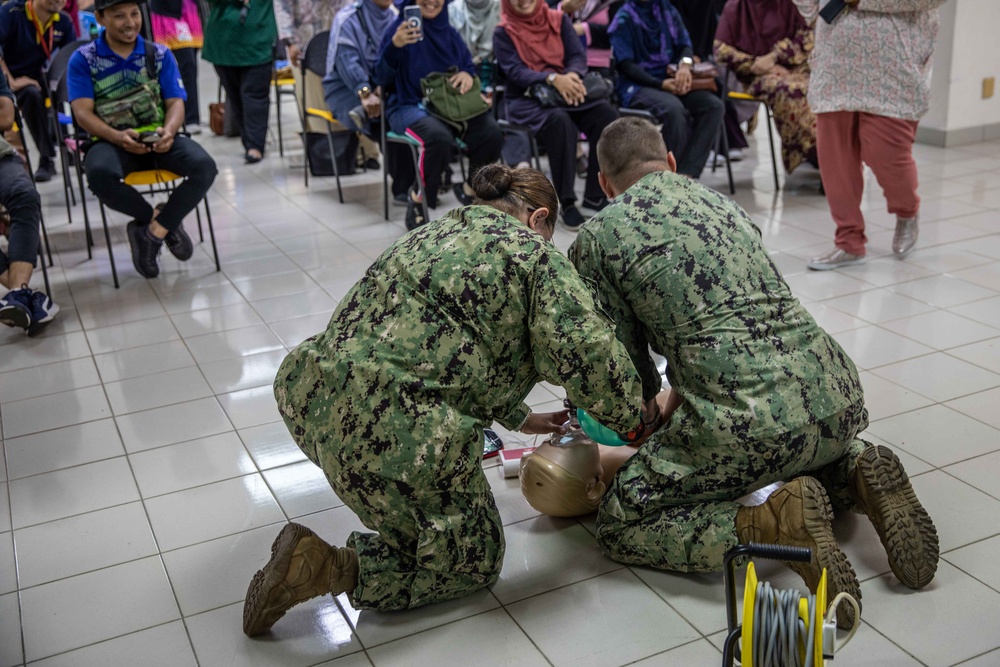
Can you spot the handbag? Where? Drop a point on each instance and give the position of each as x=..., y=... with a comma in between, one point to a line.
x=703, y=76
x=217, y=118
x=443, y=99
x=598, y=88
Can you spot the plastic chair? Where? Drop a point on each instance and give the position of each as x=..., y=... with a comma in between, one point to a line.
x=746, y=97
x=314, y=61
x=159, y=181
x=414, y=146
x=283, y=87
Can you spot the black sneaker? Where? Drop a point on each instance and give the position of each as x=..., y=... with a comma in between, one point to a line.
x=595, y=205
x=145, y=250
x=372, y=164
x=572, y=218
x=15, y=308
x=402, y=199
x=416, y=215
x=46, y=170
x=463, y=199
x=179, y=244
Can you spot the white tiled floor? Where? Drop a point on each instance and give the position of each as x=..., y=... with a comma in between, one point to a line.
x=145, y=470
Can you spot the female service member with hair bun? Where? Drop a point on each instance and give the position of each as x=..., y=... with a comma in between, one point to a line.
x=446, y=333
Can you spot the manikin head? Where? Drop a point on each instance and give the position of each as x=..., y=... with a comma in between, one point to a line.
x=562, y=477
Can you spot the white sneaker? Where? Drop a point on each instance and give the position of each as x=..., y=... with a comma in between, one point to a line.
x=193, y=129
x=905, y=236
x=834, y=259
x=735, y=154
x=716, y=159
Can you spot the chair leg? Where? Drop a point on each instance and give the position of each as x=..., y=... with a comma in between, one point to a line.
x=724, y=148
x=211, y=233
x=415, y=152
x=83, y=205
x=45, y=270
x=535, y=152
x=107, y=237
x=385, y=172
x=45, y=236
x=770, y=144
x=333, y=160
x=277, y=104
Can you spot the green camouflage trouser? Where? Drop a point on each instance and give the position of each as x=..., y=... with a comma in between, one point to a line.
x=433, y=542
x=672, y=505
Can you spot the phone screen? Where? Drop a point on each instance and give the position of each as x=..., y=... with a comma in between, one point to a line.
x=832, y=10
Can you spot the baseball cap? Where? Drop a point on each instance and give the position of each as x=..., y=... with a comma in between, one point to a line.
x=101, y=5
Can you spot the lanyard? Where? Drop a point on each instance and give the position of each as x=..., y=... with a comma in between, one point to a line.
x=40, y=31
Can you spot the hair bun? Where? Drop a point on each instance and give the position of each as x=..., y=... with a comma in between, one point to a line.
x=493, y=181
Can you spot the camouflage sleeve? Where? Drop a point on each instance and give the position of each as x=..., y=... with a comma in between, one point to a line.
x=575, y=348
x=585, y=253
x=513, y=419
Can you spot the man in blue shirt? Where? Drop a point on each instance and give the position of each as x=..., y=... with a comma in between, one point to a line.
x=30, y=32
x=134, y=117
x=22, y=307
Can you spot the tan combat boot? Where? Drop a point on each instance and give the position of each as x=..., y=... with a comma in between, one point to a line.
x=302, y=567
x=799, y=514
x=882, y=490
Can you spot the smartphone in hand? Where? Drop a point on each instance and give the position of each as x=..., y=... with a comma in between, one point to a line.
x=148, y=137
x=411, y=14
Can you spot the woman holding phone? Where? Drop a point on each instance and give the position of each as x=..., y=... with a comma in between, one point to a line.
x=418, y=43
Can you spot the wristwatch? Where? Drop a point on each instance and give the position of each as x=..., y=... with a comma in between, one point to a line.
x=687, y=61
x=364, y=92
x=551, y=79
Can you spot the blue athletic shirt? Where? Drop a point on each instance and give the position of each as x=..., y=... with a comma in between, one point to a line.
x=96, y=72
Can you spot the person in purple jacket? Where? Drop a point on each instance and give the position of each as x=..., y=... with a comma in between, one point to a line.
x=407, y=55
x=535, y=44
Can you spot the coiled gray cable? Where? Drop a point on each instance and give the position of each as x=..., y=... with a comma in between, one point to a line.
x=778, y=631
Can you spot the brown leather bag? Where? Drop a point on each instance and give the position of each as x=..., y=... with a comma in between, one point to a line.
x=217, y=118
x=702, y=76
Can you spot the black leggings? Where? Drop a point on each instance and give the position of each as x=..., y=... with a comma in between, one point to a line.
x=560, y=133
x=482, y=138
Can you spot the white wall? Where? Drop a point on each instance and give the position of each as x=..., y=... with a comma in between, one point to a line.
x=967, y=51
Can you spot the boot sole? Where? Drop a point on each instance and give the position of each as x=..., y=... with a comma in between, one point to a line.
x=15, y=316
x=256, y=617
x=840, y=576
x=903, y=525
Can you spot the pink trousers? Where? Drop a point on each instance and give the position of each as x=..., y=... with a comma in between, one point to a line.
x=845, y=140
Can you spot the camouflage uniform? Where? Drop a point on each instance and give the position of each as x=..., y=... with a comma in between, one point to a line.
x=447, y=331
x=767, y=394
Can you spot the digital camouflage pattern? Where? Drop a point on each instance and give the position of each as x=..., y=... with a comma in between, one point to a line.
x=767, y=394
x=447, y=331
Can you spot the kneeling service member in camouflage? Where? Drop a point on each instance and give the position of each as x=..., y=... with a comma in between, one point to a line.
x=760, y=393
x=447, y=332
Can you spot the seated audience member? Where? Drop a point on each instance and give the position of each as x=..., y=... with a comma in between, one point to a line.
x=30, y=32
x=475, y=21
x=239, y=41
x=22, y=307
x=182, y=34
x=767, y=45
x=349, y=86
x=701, y=18
x=759, y=392
x=536, y=45
x=591, y=19
x=135, y=126
x=406, y=56
x=646, y=37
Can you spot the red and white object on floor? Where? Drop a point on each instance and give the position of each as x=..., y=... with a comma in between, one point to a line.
x=510, y=460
